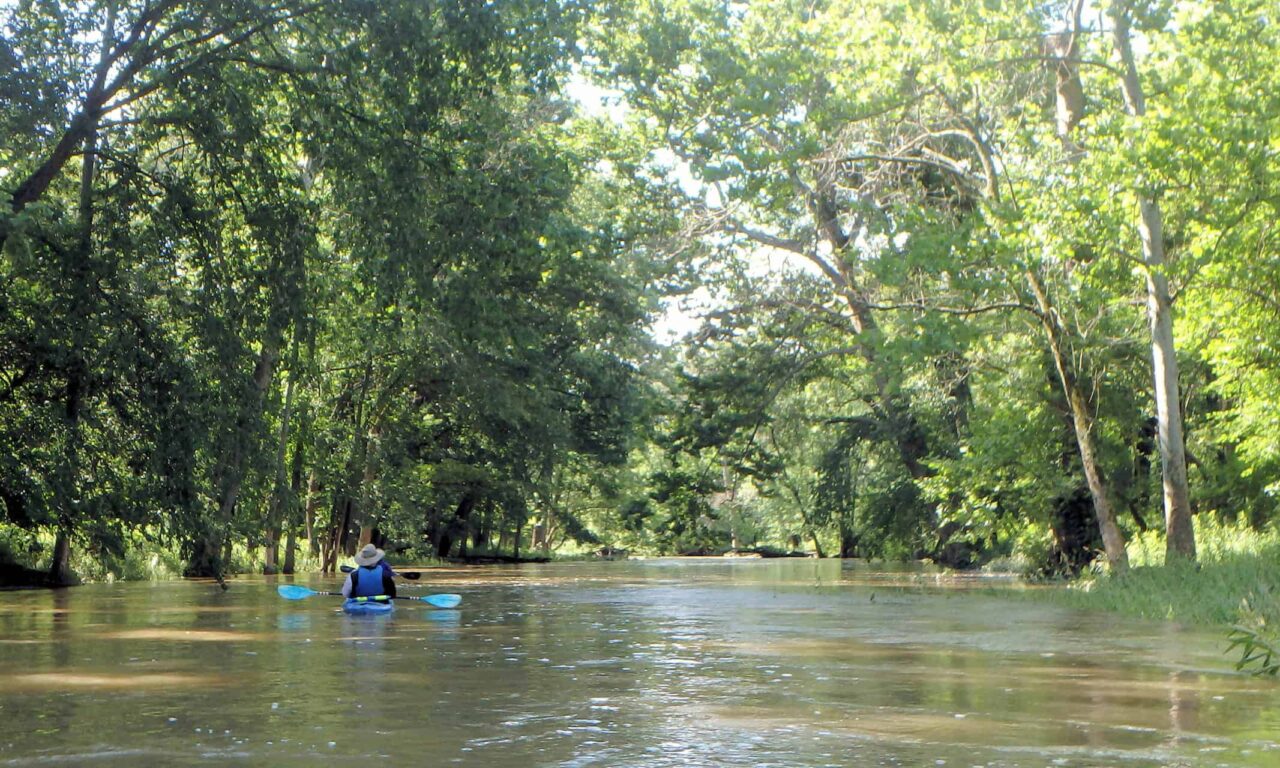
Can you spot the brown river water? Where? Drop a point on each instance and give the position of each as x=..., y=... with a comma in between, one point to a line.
x=654, y=663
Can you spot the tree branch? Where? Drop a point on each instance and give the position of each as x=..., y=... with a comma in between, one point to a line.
x=960, y=311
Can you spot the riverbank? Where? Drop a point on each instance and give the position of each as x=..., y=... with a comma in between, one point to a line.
x=15, y=576
x=1235, y=579
x=1206, y=594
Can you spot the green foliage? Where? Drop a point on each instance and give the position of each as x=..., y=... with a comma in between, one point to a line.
x=365, y=268
x=351, y=261
x=1256, y=638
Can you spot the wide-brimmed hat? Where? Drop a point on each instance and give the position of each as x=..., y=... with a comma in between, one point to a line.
x=370, y=555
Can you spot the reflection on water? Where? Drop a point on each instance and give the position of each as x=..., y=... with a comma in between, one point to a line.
x=48, y=681
x=648, y=663
x=294, y=622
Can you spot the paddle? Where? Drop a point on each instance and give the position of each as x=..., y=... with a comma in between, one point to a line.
x=411, y=575
x=298, y=592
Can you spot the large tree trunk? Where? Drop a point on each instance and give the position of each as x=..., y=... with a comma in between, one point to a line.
x=1180, y=535
x=1063, y=49
x=290, y=550
x=271, y=551
x=60, y=574
x=848, y=542
x=457, y=526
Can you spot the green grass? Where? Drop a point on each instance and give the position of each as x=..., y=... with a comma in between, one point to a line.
x=1235, y=579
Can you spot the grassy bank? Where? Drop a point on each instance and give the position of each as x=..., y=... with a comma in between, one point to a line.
x=1235, y=580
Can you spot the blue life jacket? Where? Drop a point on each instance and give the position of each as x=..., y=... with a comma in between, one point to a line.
x=372, y=581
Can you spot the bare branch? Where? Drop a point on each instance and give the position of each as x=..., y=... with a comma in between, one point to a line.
x=922, y=306
x=764, y=238
x=908, y=160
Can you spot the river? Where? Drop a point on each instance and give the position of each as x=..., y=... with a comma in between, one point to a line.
x=650, y=663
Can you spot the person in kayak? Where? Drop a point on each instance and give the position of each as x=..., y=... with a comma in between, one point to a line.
x=371, y=578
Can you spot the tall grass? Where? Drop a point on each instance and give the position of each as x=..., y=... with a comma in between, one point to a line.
x=1236, y=577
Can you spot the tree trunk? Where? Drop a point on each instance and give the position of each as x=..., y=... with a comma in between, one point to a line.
x=848, y=542
x=1082, y=422
x=60, y=574
x=295, y=493
x=892, y=406
x=1180, y=535
x=1064, y=50
x=290, y=550
x=206, y=561
x=336, y=541
x=280, y=501
x=271, y=551
x=456, y=526
x=309, y=513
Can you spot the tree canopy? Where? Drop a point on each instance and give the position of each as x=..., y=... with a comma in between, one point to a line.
x=980, y=279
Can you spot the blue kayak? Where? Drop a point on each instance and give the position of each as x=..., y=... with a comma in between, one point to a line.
x=367, y=607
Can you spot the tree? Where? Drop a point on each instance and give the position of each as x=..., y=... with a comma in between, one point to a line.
x=1180, y=536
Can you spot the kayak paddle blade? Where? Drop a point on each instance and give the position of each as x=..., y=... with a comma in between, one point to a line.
x=442, y=601
x=294, y=591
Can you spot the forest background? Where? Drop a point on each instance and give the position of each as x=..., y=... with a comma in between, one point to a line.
x=982, y=282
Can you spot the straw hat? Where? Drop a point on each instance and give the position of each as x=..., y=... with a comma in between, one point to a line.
x=370, y=555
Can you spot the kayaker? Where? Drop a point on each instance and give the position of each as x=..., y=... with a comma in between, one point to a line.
x=370, y=579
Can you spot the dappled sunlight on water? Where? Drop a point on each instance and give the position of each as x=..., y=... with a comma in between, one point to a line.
x=703, y=662
x=182, y=635
x=52, y=681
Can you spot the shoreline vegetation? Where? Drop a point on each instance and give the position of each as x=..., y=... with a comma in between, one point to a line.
x=1236, y=576
x=1235, y=579
x=1233, y=585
